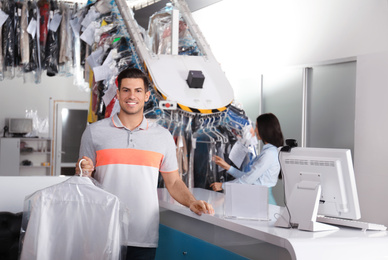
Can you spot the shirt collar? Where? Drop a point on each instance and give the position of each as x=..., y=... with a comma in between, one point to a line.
x=117, y=123
x=267, y=145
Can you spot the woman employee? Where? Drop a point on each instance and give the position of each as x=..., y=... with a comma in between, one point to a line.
x=265, y=168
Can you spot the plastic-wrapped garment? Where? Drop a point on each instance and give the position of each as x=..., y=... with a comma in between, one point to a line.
x=52, y=48
x=105, y=41
x=63, y=35
x=182, y=157
x=190, y=141
x=40, y=125
x=70, y=37
x=44, y=11
x=103, y=6
x=38, y=70
x=83, y=45
x=92, y=117
x=33, y=59
x=157, y=24
x=159, y=34
x=95, y=97
x=1, y=49
x=79, y=80
x=126, y=62
x=17, y=16
x=186, y=44
x=100, y=109
x=33, y=63
x=24, y=40
x=9, y=39
x=236, y=119
x=232, y=139
x=201, y=165
x=109, y=107
x=71, y=220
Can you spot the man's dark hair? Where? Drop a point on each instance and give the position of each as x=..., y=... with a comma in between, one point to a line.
x=269, y=129
x=133, y=73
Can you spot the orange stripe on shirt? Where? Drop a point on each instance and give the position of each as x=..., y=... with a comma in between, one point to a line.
x=129, y=156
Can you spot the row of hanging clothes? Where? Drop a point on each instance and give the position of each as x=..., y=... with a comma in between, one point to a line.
x=45, y=36
x=98, y=46
x=109, y=50
x=157, y=37
x=199, y=137
x=34, y=39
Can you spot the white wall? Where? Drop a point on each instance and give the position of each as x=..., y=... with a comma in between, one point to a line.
x=251, y=37
x=17, y=97
x=371, y=130
x=14, y=189
x=271, y=33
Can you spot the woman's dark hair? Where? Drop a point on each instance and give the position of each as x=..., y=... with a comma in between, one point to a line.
x=269, y=129
x=133, y=73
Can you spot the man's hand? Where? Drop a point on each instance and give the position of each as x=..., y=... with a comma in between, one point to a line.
x=86, y=165
x=216, y=186
x=179, y=191
x=200, y=206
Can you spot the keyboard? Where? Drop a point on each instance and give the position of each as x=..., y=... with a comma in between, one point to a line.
x=351, y=223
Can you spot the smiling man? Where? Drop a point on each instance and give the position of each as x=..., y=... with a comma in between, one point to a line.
x=126, y=153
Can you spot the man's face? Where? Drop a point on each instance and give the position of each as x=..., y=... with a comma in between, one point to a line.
x=132, y=96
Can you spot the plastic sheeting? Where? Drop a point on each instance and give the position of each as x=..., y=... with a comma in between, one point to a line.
x=159, y=34
x=72, y=220
x=9, y=39
x=51, y=52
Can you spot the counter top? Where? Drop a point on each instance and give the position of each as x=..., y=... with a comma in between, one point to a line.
x=345, y=243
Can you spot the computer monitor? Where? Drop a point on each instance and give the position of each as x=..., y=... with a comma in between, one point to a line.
x=19, y=126
x=317, y=181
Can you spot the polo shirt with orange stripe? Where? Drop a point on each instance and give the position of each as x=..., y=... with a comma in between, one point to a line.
x=127, y=165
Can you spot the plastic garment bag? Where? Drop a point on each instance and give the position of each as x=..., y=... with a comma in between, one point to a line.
x=52, y=48
x=1, y=48
x=63, y=35
x=9, y=39
x=32, y=69
x=44, y=10
x=24, y=40
x=71, y=220
x=32, y=63
x=17, y=57
x=159, y=34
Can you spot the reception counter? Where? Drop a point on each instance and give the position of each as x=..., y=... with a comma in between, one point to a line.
x=254, y=239
x=246, y=239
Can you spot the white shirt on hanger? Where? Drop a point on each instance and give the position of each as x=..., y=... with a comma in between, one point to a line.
x=71, y=220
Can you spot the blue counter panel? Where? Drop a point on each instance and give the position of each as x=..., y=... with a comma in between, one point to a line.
x=174, y=245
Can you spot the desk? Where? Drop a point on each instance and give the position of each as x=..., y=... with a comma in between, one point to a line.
x=262, y=240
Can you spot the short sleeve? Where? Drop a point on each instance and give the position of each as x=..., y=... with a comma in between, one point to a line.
x=87, y=148
x=169, y=161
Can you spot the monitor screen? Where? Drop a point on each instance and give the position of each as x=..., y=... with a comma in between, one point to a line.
x=19, y=126
x=318, y=181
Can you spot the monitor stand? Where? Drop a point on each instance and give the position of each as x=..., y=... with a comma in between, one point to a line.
x=303, y=207
x=5, y=130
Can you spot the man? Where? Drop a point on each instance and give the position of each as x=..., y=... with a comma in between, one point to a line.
x=126, y=153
